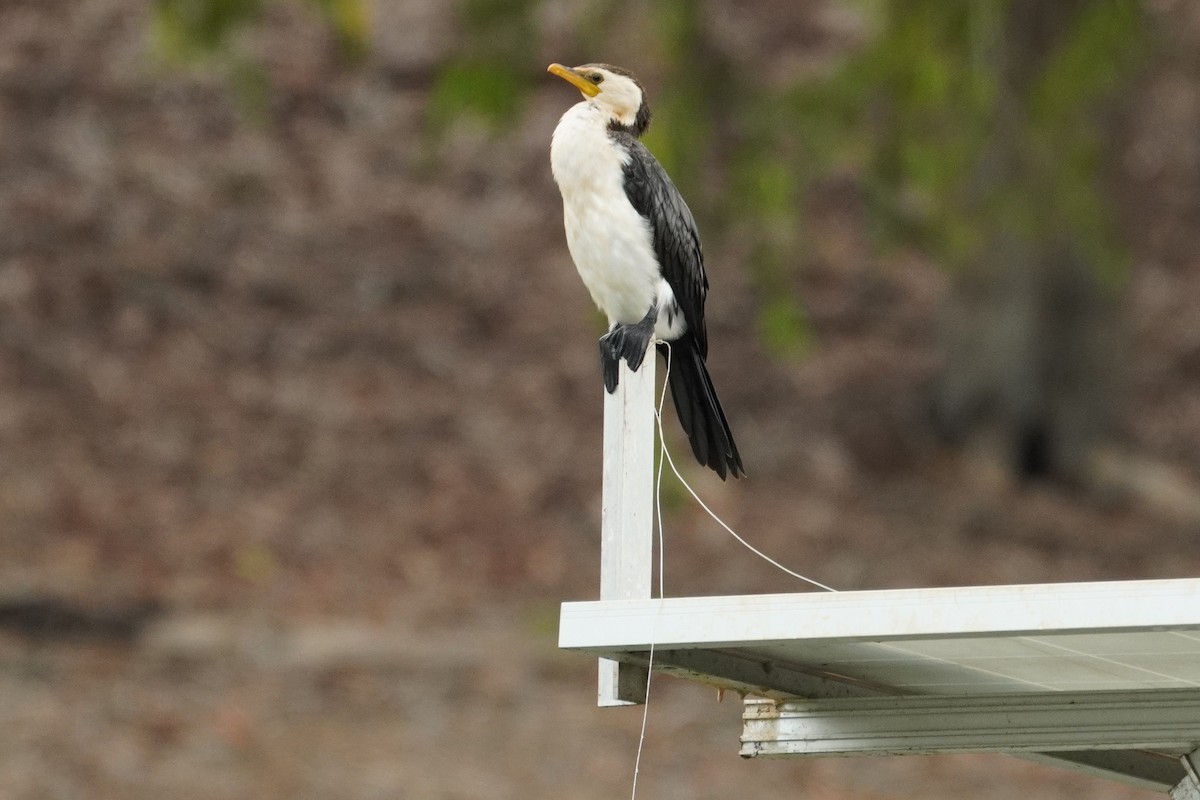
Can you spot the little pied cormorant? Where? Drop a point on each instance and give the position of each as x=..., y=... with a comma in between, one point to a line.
x=635, y=245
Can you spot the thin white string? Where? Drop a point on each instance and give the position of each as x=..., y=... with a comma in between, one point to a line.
x=664, y=455
x=696, y=497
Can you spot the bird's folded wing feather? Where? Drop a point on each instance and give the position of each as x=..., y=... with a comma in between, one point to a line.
x=676, y=241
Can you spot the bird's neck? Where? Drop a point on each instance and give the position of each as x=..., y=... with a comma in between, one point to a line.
x=582, y=151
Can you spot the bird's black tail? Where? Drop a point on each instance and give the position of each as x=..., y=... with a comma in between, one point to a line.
x=699, y=410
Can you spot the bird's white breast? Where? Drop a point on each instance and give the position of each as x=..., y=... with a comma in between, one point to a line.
x=611, y=244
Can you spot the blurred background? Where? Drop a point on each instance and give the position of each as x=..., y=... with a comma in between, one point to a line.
x=300, y=412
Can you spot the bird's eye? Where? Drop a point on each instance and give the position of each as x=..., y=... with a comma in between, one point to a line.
x=596, y=78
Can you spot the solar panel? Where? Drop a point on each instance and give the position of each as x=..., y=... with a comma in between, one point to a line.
x=1102, y=677
x=1079, y=667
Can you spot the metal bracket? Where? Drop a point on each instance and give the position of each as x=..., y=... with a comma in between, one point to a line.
x=1168, y=720
x=1189, y=787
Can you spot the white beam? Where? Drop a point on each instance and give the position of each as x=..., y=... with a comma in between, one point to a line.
x=626, y=526
x=886, y=615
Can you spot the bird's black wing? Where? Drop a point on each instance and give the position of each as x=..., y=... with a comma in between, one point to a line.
x=676, y=241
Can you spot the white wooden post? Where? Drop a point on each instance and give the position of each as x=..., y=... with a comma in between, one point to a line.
x=627, y=518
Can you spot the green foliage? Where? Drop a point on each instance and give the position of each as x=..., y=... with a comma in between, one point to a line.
x=783, y=327
x=204, y=32
x=192, y=30
x=1065, y=142
x=196, y=31
x=485, y=90
x=933, y=85
x=349, y=21
x=490, y=77
x=769, y=195
x=673, y=496
x=689, y=99
x=957, y=133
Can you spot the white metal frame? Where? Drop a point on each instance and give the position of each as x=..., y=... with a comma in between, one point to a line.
x=1004, y=723
x=880, y=615
x=1147, y=736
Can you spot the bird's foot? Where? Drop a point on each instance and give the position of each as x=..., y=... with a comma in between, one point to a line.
x=629, y=342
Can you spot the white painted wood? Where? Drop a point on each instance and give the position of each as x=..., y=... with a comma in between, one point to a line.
x=888, y=615
x=626, y=526
x=1063, y=721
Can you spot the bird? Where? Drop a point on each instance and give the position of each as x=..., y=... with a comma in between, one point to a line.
x=635, y=244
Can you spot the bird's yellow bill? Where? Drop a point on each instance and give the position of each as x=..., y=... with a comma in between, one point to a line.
x=575, y=79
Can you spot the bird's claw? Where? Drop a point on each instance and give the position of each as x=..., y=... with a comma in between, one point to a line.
x=610, y=365
x=629, y=342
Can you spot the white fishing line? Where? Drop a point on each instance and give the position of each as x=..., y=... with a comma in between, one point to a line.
x=664, y=456
x=711, y=513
